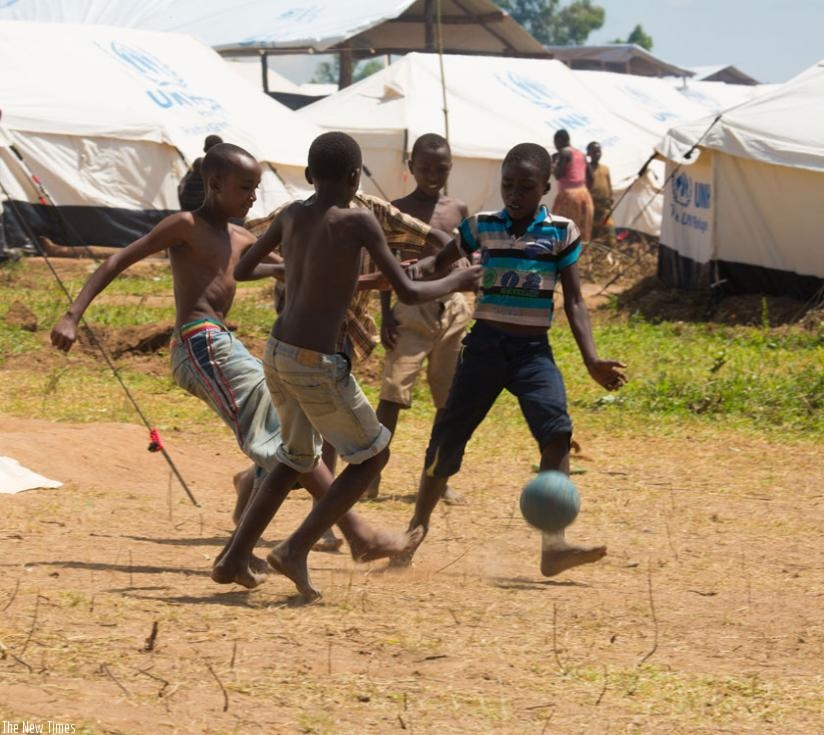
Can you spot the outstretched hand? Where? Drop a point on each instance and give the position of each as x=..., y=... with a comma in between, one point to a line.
x=608, y=373
x=64, y=333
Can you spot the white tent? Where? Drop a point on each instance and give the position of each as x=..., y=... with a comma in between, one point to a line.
x=234, y=28
x=495, y=103
x=718, y=96
x=745, y=208
x=108, y=118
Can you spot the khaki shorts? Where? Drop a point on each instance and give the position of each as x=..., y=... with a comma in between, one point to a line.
x=431, y=331
x=317, y=398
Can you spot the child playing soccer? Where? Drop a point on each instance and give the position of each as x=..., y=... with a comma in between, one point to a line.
x=207, y=360
x=524, y=251
x=311, y=386
x=430, y=331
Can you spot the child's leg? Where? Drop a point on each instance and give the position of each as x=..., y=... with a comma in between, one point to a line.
x=387, y=413
x=232, y=564
x=244, y=482
x=557, y=555
x=478, y=381
x=289, y=557
x=365, y=542
x=538, y=384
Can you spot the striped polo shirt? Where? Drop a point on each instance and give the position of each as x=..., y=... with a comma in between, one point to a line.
x=519, y=273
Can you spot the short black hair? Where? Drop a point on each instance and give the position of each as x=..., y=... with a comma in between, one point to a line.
x=333, y=156
x=211, y=140
x=562, y=137
x=531, y=153
x=430, y=142
x=592, y=144
x=221, y=158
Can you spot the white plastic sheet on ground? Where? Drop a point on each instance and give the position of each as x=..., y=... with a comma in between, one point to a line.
x=15, y=478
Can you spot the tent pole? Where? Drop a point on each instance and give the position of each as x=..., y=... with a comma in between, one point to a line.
x=429, y=26
x=264, y=70
x=443, y=82
x=346, y=68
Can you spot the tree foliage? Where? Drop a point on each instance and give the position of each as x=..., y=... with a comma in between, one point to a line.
x=328, y=72
x=554, y=25
x=638, y=37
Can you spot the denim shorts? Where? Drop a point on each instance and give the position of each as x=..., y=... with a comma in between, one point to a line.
x=215, y=366
x=491, y=361
x=317, y=398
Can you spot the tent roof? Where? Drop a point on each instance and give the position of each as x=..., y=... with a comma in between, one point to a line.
x=290, y=26
x=633, y=58
x=495, y=103
x=780, y=126
x=120, y=83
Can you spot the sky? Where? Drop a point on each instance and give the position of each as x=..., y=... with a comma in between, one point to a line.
x=771, y=40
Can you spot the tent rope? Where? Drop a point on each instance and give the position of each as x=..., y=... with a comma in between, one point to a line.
x=156, y=443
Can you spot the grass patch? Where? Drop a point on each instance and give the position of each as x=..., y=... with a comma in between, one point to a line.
x=753, y=378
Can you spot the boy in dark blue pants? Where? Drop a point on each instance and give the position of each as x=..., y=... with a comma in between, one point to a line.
x=524, y=251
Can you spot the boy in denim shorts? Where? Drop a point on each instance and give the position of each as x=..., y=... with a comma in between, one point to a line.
x=208, y=361
x=311, y=386
x=524, y=251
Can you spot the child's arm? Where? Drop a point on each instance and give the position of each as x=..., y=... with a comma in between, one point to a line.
x=434, y=265
x=409, y=291
x=607, y=373
x=168, y=232
x=251, y=265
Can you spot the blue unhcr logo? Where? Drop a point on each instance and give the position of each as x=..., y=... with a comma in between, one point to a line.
x=168, y=89
x=682, y=190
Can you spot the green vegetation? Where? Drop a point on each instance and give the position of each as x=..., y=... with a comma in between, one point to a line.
x=761, y=379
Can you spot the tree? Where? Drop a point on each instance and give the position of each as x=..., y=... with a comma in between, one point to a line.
x=638, y=37
x=327, y=72
x=554, y=25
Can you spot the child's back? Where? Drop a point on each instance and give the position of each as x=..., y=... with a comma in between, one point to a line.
x=322, y=249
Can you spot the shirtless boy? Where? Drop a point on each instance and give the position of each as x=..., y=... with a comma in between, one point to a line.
x=208, y=361
x=314, y=392
x=433, y=331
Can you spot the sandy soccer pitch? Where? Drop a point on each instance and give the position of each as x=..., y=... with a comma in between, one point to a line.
x=705, y=617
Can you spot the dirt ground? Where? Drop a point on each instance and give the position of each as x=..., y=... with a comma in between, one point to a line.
x=705, y=617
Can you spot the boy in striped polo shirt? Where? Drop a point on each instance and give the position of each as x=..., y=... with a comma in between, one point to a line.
x=524, y=252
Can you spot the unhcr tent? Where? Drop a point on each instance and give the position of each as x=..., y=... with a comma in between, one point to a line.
x=365, y=27
x=745, y=209
x=108, y=119
x=494, y=103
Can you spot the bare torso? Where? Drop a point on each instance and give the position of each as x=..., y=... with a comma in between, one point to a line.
x=322, y=249
x=202, y=269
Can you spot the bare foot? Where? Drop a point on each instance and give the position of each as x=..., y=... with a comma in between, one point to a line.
x=404, y=557
x=450, y=497
x=259, y=566
x=244, y=484
x=328, y=542
x=380, y=544
x=293, y=567
x=562, y=556
x=244, y=575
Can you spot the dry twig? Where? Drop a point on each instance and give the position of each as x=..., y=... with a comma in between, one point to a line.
x=654, y=618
